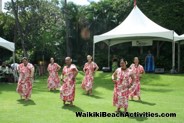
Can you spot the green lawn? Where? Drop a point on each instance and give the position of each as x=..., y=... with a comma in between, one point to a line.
x=160, y=93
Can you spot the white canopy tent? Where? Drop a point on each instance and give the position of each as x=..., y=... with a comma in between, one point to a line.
x=6, y=44
x=136, y=27
x=9, y=46
x=179, y=40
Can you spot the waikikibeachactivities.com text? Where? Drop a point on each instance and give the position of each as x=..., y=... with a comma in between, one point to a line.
x=122, y=114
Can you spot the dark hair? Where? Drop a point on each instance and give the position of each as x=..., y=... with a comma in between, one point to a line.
x=91, y=57
x=124, y=60
x=25, y=58
x=115, y=60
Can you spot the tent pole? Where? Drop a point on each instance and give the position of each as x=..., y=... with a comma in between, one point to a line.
x=109, y=54
x=179, y=56
x=93, y=51
x=13, y=66
x=173, y=55
x=13, y=56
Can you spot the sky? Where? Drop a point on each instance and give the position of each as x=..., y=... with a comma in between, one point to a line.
x=79, y=2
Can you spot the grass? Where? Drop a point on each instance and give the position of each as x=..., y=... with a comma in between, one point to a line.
x=160, y=93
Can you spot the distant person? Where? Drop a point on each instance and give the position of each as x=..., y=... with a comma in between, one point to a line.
x=9, y=74
x=14, y=67
x=149, y=62
x=4, y=68
x=114, y=63
x=89, y=69
x=68, y=76
x=26, y=74
x=53, y=79
x=4, y=71
x=138, y=70
x=122, y=85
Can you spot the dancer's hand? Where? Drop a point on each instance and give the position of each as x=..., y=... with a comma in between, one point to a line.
x=32, y=79
x=73, y=78
x=129, y=86
x=114, y=81
x=93, y=73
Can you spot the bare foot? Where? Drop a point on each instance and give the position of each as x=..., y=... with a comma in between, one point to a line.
x=26, y=99
x=131, y=98
x=118, y=110
x=71, y=104
x=125, y=110
x=139, y=98
x=64, y=103
x=90, y=92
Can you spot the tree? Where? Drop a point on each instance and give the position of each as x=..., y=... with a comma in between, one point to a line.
x=40, y=26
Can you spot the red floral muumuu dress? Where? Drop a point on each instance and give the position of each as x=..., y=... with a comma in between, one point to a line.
x=53, y=80
x=121, y=90
x=137, y=70
x=67, y=90
x=24, y=86
x=87, y=83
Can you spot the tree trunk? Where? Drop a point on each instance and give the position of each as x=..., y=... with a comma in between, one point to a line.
x=68, y=47
x=20, y=32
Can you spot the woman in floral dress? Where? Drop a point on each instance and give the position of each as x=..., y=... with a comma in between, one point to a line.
x=53, y=79
x=67, y=90
x=138, y=70
x=122, y=86
x=26, y=74
x=89, y=69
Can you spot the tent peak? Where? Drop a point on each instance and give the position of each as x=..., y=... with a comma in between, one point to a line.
x=136, y=24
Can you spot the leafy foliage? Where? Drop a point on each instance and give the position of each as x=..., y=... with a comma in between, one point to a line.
x=44, y=28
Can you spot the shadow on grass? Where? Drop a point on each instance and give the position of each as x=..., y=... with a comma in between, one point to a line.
x=143, y=102
x=41, y=86
x=82, y=73
x=156, y=90
x=92, y=96
x=8, y=87
x=168, y=74
x=139, y=119
x=26, y=103
x=101, y=80
x=73, y=108
x=157, y=84
x=104, y=80
x=152, y=79
x=55, y=91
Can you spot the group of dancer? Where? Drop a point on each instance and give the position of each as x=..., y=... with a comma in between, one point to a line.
x=126, y=83
x=126, y=80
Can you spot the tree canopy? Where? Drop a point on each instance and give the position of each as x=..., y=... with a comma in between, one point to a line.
x=42, y=29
